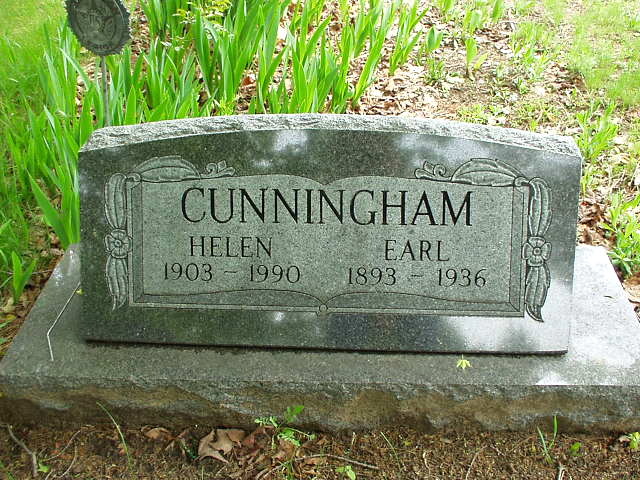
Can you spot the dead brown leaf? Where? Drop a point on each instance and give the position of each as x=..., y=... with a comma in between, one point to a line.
x=253, y=440
x=159, y=434
x=235, y=435
x=227, y=439
x=205, y=449
x=249, y=79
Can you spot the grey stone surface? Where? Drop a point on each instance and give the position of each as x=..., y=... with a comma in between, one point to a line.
x=436, y=236
x=594, y=387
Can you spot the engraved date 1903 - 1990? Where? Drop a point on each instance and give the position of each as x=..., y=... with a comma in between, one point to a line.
x=205, y=272
x=291, y=274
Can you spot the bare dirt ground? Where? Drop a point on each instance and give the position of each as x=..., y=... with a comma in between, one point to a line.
x=98, y=452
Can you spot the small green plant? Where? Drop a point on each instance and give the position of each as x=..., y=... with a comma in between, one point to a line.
x=605, y=50
x=624, y=225
x=536, y=111
x=347, y=471
x=406, y=39
x=285, y=432
x=463, y=363
x=473, y=60
x=393, y=451
x=20, y=276
x=524, y=7
x=446, y=7
x=548, y=444
x=574, y=449
x=435, y=71
x=43, y=467
x=474, y=113
x=598, y=130
x=432, y=42
x=497, y=10
x=380, y=26
x=533, y=48
x=634, y=22
x=634, y=440
x=473, y=20
x=7, y=321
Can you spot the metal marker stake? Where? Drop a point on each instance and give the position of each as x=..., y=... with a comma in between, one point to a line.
x=102, y=27
x=105, y=91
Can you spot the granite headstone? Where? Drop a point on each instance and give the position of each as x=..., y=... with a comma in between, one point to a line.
x=332, y=232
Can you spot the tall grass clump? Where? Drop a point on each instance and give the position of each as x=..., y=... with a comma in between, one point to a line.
x=24, y=32
x=203, y=57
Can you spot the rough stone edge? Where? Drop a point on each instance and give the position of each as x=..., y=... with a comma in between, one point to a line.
x=365, y=408
x=111, y=137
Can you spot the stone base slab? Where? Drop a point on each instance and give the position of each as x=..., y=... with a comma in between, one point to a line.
x=594, y=387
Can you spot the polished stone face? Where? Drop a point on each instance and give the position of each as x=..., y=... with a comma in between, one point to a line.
x=322, y=231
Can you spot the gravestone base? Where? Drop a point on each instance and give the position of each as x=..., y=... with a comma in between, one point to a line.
x=594, y=387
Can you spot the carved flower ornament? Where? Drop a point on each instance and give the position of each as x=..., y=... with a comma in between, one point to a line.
x=536, y=251
x=118, y=243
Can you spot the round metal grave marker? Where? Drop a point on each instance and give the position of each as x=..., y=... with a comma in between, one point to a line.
x=102, y=26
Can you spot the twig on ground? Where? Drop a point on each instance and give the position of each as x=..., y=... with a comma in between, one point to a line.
x=393, y=450
x=497, y=450
x=338, y=457
x=73, y=460
x=424, y=460
x=266, y=473
x=472, y=462
x=34, y=459
x=561, y=472
x=65, y=447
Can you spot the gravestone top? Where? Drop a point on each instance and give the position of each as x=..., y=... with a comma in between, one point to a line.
x=102, y=26
x=327, y=231
x=155, y=131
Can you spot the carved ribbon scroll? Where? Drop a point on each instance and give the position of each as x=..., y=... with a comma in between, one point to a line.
x=536, y=250
x=118, y=242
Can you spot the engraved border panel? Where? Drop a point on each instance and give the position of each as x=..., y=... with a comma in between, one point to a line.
x=535, y=251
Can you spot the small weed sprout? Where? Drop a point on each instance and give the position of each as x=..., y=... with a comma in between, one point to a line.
x=43, y=467
x=463, y=363
x=625, y=227
x=406, y=39
x=21, y=276
x=598, y=130
x=532, y=48
x=474, y=61
x=125, y=447
x=574, y=449
x=547, y=445
x=434, y=68
x=474, y=113
x=282, y=430
x=347, y=471
x=497, y=10
x=446, y=7
x=473, y=20
x=634, y=440
x=525, y=7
